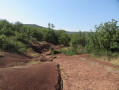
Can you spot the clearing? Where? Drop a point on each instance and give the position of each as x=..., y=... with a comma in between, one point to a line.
x=42, y=71
x=82, y=73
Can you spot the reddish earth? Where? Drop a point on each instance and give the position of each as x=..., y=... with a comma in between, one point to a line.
x=87, y=57
x=40, y=48
x=43, y=76
x=44, y=47
x=79, y=73
x=10, y=60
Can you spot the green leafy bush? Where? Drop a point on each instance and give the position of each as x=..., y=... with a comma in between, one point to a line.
x=105, y=39
x=52, y=51
x=70, y=51
x=7, y=44
x=63, y=37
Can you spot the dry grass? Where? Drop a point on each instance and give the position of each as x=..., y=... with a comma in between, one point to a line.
x=114, y=61
x=32, y=62
x=35, y=55
x=111, y=69
x=1, y=54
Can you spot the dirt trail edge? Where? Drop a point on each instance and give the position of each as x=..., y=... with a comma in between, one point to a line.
x=81, y=74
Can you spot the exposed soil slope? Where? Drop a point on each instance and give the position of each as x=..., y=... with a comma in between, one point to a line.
x=44, y=76
x=18, y=72
x=9, y=60
x=78, y=73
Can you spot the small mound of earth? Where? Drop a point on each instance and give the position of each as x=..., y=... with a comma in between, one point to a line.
x=40, y=47
x=44, y=59
x=10, y=59
x=45, y=76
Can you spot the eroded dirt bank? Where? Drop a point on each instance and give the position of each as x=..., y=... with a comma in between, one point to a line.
x=21, y=73
x=43, y=76
x=42, y=72
x=81, y=74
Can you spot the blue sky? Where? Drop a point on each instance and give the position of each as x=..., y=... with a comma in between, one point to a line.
x=70, y=15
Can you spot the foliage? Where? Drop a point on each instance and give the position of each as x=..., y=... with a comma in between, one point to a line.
x=52, y=51
x=70, y=51
x=63, y=38
x=6, y=44
x=78, y=39
x=49, y=36
x=105, y=39
x=15, y=35
x=77, y=44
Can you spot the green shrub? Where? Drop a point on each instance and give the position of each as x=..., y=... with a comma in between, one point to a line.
x=70, y=51
x=115, y=55
x=52, y=51
x=104, y=40
x=7, y=44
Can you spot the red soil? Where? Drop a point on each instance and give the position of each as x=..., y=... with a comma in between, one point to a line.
x=43, y=76
x=86, y=56
x=9, y=60
x=79, y=73
x=40, y=48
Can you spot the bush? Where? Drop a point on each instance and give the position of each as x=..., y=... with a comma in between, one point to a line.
x=63, y=37
x=7, y=44
x=70, y=51
x=52, y=51
x=115, y=55
x=107, y=44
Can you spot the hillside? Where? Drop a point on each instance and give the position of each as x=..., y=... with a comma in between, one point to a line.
x=68, y=32
x=33, y=25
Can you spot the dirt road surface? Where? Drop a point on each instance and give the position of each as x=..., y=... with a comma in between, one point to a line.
x=81, y=74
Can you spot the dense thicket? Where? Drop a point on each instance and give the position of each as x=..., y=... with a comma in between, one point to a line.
x=15, y=37
x=103, y=41
x=77, y=44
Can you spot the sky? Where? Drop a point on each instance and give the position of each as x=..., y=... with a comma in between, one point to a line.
x=69, y=15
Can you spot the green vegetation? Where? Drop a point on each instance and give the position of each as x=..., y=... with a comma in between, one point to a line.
x=52, y=51
x=70, y=51
x=103, y=41
x=17, y=37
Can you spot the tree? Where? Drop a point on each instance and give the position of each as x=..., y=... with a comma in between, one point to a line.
x=78, y=39
x=51, y=26
x=63, y=37
x=105, y=39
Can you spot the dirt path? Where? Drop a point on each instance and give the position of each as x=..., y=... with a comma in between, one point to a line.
x=81, y=74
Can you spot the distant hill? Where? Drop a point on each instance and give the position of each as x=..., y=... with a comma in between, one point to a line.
x=84, y=32
x=71, y=32
x=37, y=26
x=33, y=25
